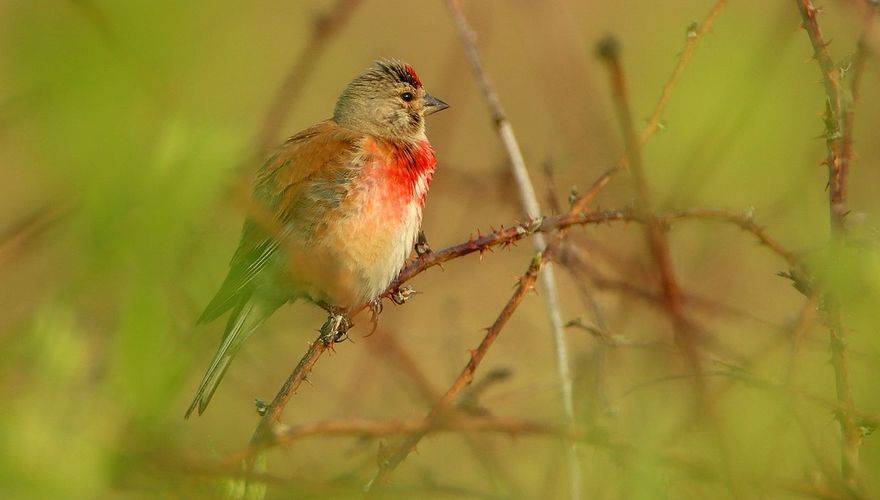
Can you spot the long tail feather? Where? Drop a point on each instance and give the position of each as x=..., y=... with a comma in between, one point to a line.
x=246, y=317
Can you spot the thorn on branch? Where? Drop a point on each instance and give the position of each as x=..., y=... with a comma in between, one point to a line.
x=573, y=195
x=262, y=406
x=801, y=281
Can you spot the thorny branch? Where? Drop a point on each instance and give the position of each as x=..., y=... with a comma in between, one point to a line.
x=532, y=208
x=654, y=232
x=388, y=464
x=694, y=36
x=503, y=237
x=838, y=164
x=839, y=120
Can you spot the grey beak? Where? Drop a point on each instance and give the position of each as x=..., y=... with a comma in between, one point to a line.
x=433, y=105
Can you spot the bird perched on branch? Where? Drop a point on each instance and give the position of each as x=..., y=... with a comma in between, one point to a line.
x=335, y=213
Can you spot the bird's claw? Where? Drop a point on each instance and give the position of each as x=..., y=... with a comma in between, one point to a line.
x=375, y=306
x=335, y=329
x=402, y=294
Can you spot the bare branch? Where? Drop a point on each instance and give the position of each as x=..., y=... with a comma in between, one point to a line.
x=532, y=208
x=839, y=119
x=685, y=335
x=526, y=284
x=694, y=36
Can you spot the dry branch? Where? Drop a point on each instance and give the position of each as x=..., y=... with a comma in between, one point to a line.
x=839, y=119
x=838, y=166
x=694, y=37
x=526, y=283
x=501, y=237
x=654, y=232
x=532, y=209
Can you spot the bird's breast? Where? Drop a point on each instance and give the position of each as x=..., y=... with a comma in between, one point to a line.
x=379, y=222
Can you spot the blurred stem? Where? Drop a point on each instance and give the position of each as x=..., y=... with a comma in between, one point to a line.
x=18, y=238
x=839, y=120
x=388, y=463
x=532, y=208
x=609, y=51
x=694, y=36
x=685, y=331
x=837, y=162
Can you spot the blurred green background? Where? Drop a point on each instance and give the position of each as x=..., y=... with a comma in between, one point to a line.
x=127, y=134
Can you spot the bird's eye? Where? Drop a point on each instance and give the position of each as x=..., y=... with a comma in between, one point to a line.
x=406, y=96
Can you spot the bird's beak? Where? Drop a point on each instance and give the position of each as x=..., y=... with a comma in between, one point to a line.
x=433, y=105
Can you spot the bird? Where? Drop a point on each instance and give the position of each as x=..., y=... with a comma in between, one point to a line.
x=336, y=211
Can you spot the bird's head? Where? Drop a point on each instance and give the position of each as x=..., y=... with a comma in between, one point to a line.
x=387, y=100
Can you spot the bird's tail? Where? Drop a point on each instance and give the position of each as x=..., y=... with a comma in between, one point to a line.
x=246, y=317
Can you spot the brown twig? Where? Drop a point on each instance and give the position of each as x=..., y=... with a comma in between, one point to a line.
x=458, y=422
x=576, y=260
x=609, y=51
x=839, y=119
x=694, y=36
x=838, y=165
x=532, y=208
x=745, y=221
x=526, y=283
x=264, y=435
x=505, y=237
x=685, y=332
x=385, y=344
x=514, y=427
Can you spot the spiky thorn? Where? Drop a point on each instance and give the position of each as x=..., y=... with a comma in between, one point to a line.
x=467, y=373
x=261, y=406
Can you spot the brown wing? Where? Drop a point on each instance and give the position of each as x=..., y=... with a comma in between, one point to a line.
x=295, y=190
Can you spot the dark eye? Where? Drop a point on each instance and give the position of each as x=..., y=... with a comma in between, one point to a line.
x=406, y=96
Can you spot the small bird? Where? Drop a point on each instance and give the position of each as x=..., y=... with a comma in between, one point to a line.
x=336, y=211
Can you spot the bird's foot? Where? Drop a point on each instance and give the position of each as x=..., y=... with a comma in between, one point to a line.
x=335, y=329
x=375, y=306
x=422, y=247
x=400, y=295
